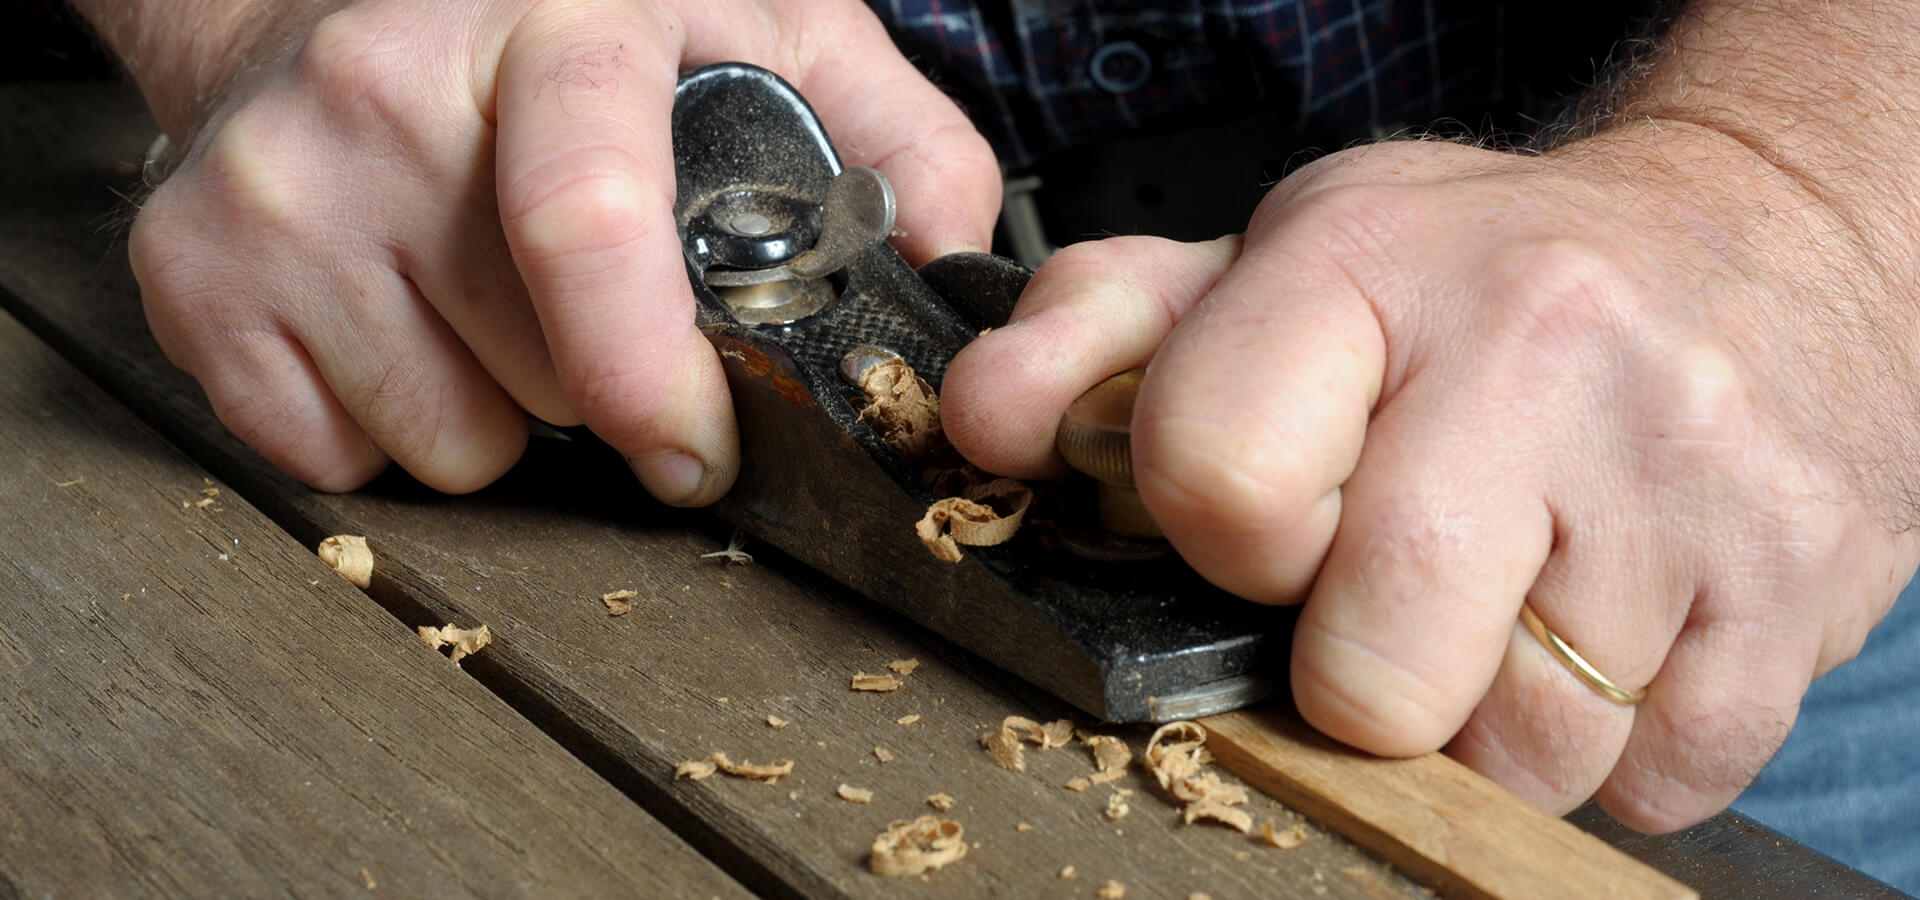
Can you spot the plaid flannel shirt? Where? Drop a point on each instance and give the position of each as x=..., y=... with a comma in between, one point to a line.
x=1038, y=75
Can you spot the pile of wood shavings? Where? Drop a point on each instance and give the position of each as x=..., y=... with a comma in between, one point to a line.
x=1005, y=742
x=1177, y=755
x=464, y=641
x=903, y=411
x=922, y=845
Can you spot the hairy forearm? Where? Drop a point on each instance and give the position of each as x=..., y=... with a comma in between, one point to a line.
x=186, y=54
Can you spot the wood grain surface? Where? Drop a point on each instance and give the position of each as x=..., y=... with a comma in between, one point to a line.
x=710, y=649
x=1434, y=818
x=196, y=706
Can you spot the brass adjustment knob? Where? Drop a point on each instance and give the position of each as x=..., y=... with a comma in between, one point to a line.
x=1095, y=437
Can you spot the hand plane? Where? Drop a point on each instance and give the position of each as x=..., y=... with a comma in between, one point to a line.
x=795, y=285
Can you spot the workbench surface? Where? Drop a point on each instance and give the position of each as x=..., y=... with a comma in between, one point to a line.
x=200, y=706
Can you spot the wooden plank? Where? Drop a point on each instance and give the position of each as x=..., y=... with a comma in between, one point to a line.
x=1433, y=817
x=196, y=705
x=709, y=651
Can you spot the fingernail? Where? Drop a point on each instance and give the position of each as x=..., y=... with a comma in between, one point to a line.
x=675, y=477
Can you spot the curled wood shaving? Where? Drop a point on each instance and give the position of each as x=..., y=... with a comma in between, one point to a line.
x=984, y=515
x=1004, y=744
x=876, y=683
x=349, y=555
x=853, y=794
x=619, y=603
x=776, y=723
x=464, y=641
x=1110, y=754
x=1112, y=890
x=1285, y=840
x=922, y=845
x=883, y=754
x=1178, y=756
x=941, y=802
x=904, y=666
x=1236, y=819
x=696, y=769
x=903, y=410
x=769, y=773
x=907, y=719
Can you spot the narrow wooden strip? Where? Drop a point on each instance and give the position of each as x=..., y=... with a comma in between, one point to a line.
x=196, y=706
x=1432, y=817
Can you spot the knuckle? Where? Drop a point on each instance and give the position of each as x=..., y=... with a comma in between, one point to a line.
x=1190, y=471
x=248, y=183
x=402, y=408
x=583, y=202
x=361, y=73
x=1708, y=758
x=1345, y=221
x=1694, y=402
x=1556, y=297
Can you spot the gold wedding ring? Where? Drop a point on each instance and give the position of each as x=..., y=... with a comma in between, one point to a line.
x=1576, y=663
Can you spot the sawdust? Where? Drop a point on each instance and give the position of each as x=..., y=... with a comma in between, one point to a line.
x=1177, y=755
x=1285, y=840
x=904, y=667
x=619, y=603
x=1023, y=827
x=1112, y=890
x=1117, y=804
x=903, y=411
x=776, y=723
x=941, y=802
x=696, y=769
x=982, y=516
x=349, y=555
x=1068, y=873
x=922, y=845
x=1078, y=785
x=464, y=641
x=907, y=719
x=853, y=794
x=769, y=773
x=366, y=878
x=876, y=683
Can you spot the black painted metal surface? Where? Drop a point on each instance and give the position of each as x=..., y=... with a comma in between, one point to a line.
x=1128, y=642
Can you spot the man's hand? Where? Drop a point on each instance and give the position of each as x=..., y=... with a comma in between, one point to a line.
x=1649, y=384
x=425, y=218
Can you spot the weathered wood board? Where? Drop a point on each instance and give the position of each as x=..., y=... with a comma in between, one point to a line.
x=196, y=706
x=710, y=649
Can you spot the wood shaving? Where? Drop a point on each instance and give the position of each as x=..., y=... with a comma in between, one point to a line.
x=922, y=845
x=366, y=878
x=696, y=769
x=1285, y=840
x=619, y=603
x=1004, y=744
x=732, y=553
x=1117, y=805
x=1110, y=754
x=883, y=754
x=1196, y=895
x=1112, y=890
x=203, y=503
x=903, y=411
x=1079, y=785
x=1068, y=873
x=1023, y=827
x=907, y=719
x=876, y=683
x=1177, y=755
x=904, y=666
x=464, y=641
x=776, y=723
x=1236, y=819
x=853, y=794
x=769, y=773
x=941, y=802
x=984, y=515
x=349, y=555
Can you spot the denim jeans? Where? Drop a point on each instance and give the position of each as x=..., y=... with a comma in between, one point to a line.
x=1847, y=781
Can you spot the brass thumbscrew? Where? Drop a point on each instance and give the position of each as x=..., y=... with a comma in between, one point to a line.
x=1095, y=436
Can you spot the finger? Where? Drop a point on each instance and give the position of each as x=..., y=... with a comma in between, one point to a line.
x=1252, y=416
x=1540, y=730
x=1440, y=538
x=471, y=281
x=883, y=113
x=1093, y=310
x=409, y=382
x=586, y=182
x=1722, y=704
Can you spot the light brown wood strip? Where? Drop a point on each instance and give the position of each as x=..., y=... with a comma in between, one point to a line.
x=1434, y=818
x=709, y=651
x=196, y=706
